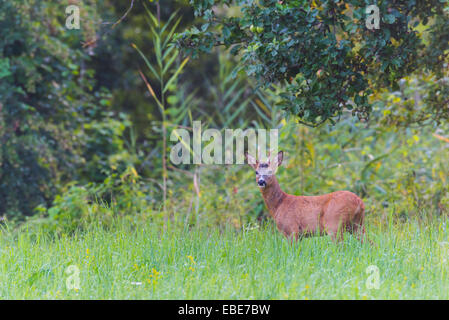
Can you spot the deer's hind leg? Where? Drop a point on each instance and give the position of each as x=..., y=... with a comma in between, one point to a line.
x=357, y=227
x=334, y=227
x=336, y=234
x=358, y=230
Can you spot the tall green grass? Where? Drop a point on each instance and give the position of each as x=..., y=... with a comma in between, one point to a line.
x=132, y=261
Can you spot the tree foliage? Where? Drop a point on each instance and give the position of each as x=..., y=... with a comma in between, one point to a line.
x=322, y=52
x=52, y=122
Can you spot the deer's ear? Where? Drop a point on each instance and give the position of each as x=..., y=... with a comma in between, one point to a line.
x=278, y=160
x=251, y=160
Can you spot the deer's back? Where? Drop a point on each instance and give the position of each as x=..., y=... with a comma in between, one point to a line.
x=308, y=214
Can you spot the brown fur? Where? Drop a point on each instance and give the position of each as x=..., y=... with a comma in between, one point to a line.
x=298, y=216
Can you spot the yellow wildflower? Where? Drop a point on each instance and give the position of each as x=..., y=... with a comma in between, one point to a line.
x=154, y=276
x=191, y=259
x=155, y=273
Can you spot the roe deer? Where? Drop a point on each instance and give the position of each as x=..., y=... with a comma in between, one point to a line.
x=298, y=216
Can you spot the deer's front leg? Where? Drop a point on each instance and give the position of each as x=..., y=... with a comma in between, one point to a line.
x=290, y=231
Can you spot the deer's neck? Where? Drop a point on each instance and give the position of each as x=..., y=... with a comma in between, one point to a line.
x=273, y=196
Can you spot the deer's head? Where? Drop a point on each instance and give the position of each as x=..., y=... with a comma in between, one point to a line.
x=265, y=171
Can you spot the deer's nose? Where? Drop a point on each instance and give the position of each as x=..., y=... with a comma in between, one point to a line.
x=261, y=183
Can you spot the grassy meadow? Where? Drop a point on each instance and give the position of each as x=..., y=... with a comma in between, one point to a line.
x=139, y=261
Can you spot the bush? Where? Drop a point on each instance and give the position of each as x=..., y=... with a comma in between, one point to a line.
x=123, y=195
x=49, y=111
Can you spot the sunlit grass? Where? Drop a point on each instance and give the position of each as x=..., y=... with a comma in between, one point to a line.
x=143, y=263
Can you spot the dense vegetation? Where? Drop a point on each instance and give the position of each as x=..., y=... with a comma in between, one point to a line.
x=323, y=53
x=86, y=118
x=55, y=125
